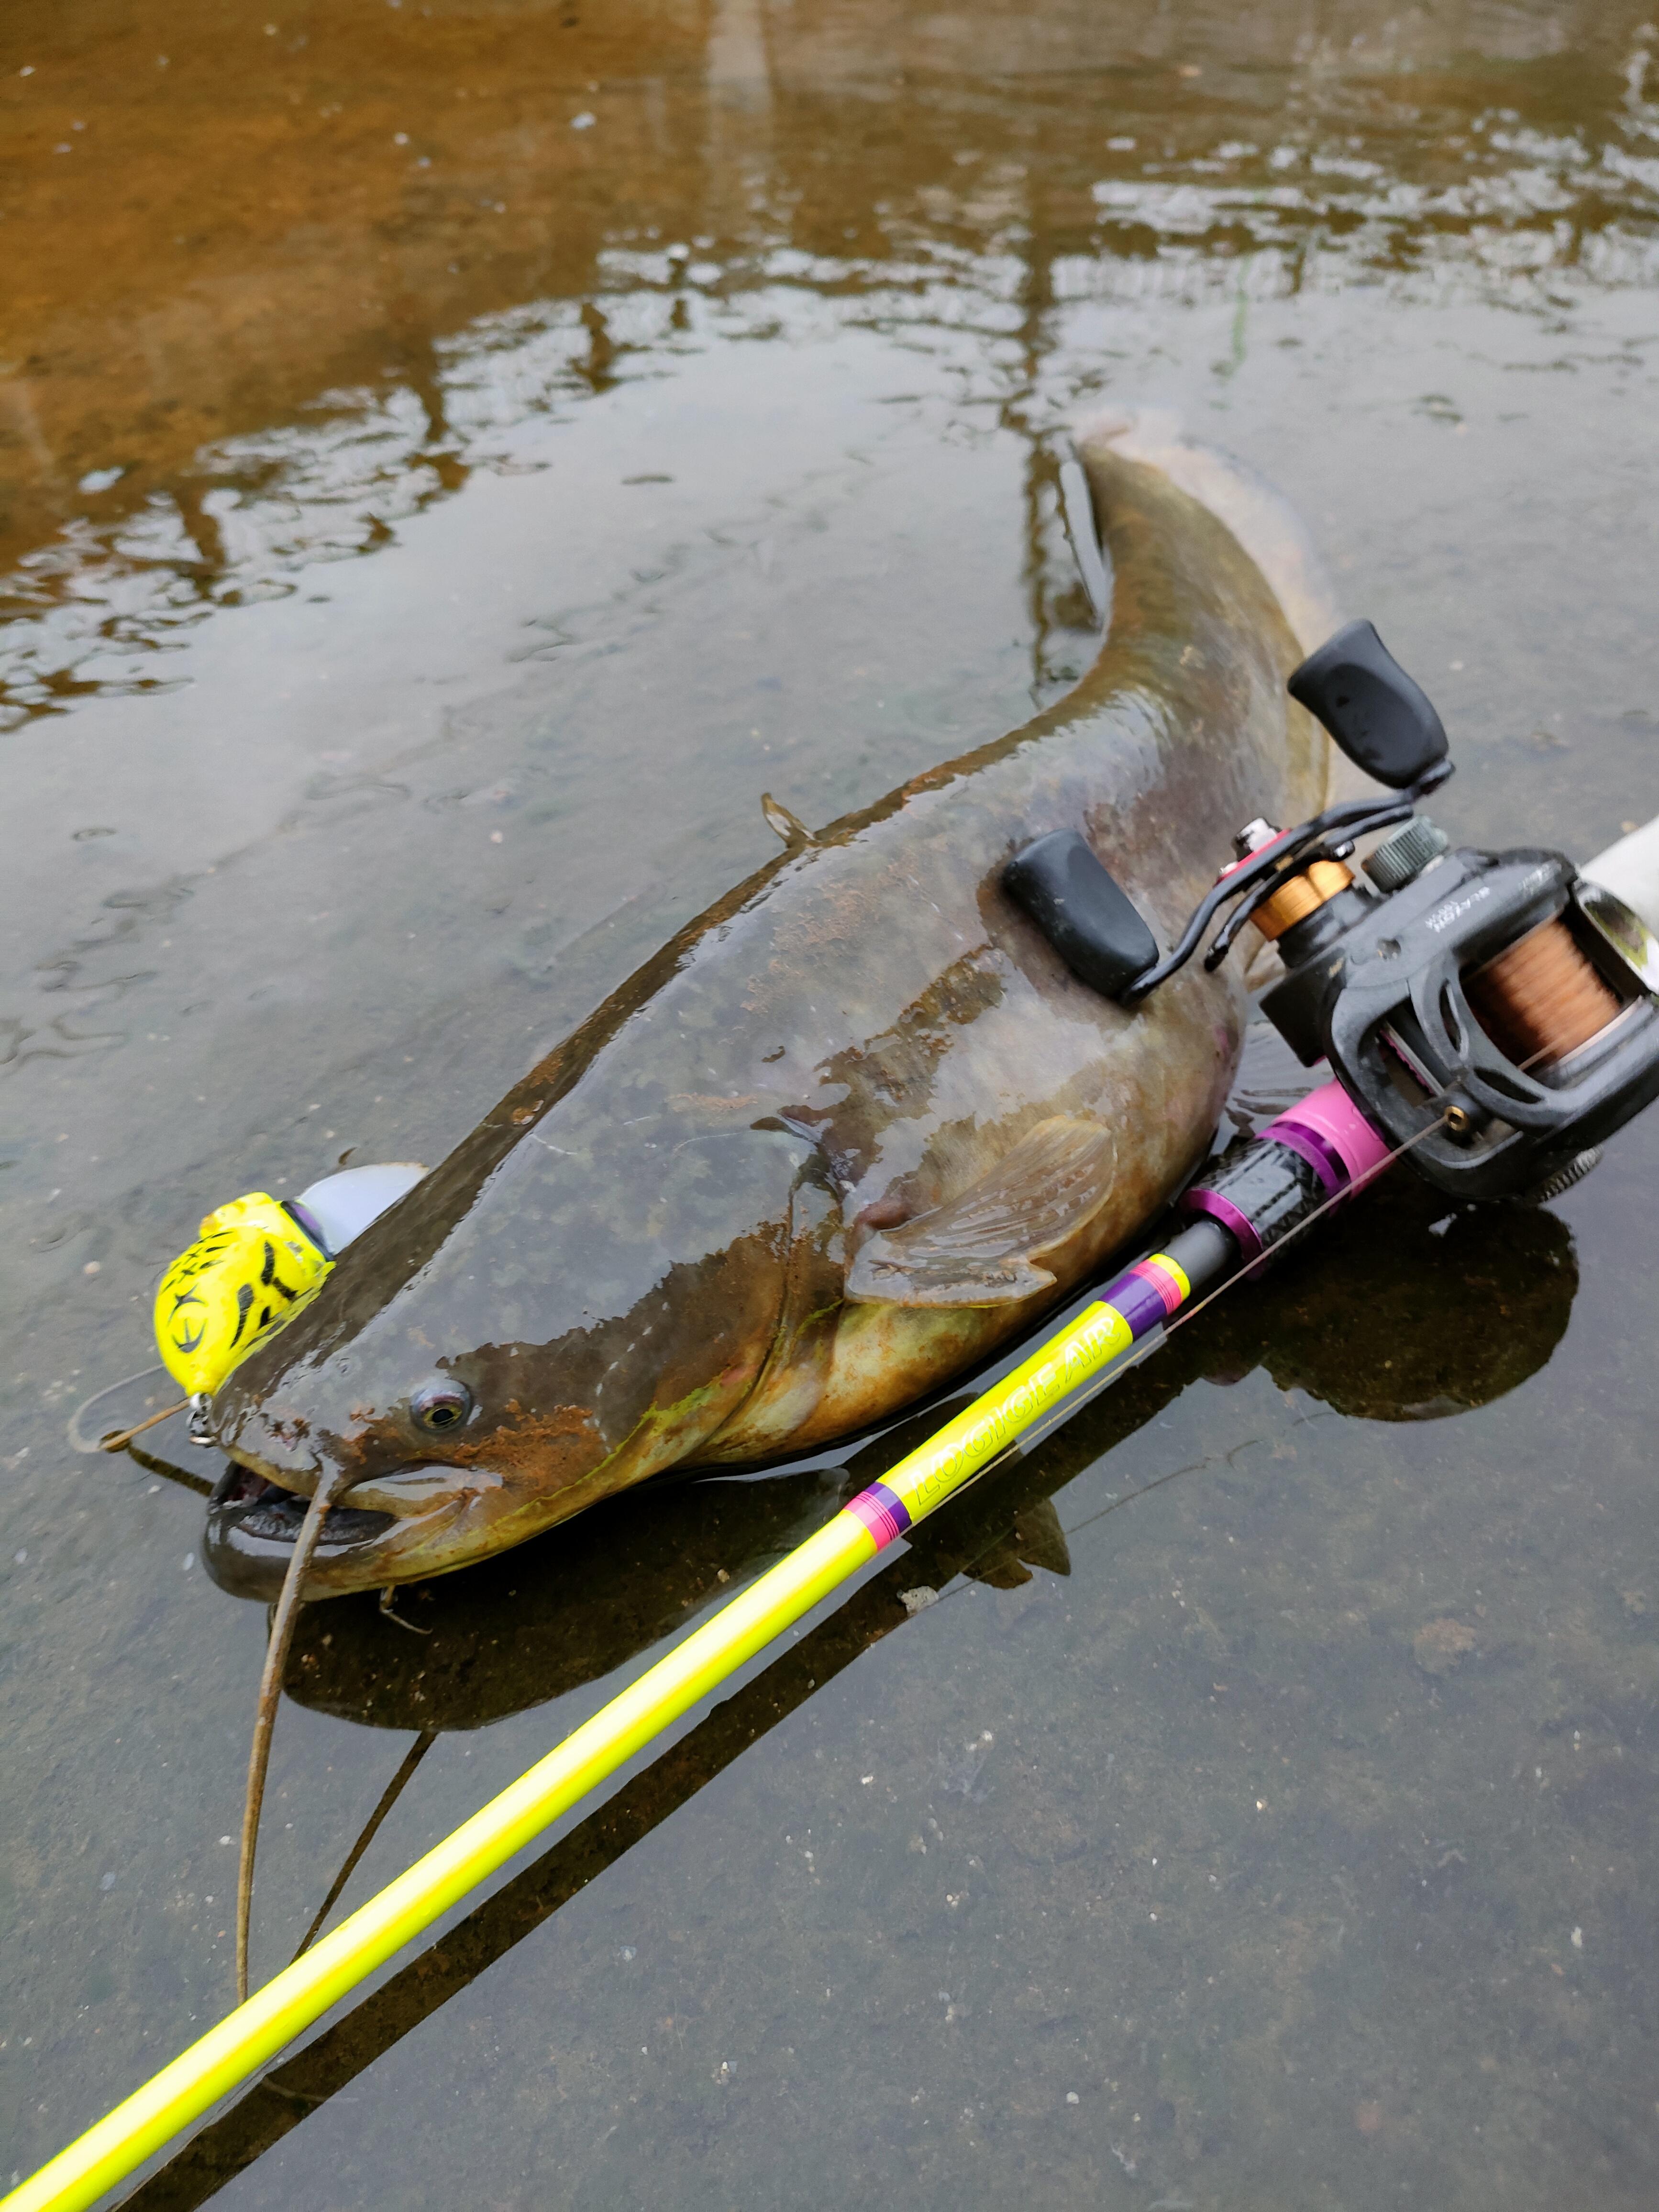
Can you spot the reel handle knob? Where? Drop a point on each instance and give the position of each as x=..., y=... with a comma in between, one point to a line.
x=1083, y=910
x=1384, y=722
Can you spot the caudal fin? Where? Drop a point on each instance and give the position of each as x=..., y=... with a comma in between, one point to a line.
x=1261, y=518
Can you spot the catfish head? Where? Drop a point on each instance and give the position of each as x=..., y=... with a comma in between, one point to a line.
x=555, y=1313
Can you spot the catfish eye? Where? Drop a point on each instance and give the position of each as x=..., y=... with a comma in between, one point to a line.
x=440, y=1407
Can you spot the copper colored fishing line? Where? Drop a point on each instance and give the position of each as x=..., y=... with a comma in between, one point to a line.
x=1540, y=999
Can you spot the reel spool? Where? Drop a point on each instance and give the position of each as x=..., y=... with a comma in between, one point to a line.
x=1540, y=1001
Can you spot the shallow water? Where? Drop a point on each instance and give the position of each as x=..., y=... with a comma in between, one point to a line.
x=427, y=524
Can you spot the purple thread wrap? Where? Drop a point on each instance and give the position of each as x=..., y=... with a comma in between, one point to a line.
x=1199, y=1199
x=1139, y=1301
x=882, y=1512
x=1328, y=1131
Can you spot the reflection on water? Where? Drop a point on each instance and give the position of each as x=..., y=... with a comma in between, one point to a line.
x=1312, y=157
x=1260, y=1814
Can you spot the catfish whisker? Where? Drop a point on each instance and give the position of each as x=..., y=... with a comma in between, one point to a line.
x=182, y=1475
x=265, y=1718
x=389, y=1796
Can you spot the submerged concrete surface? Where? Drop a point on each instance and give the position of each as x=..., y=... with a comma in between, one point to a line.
x=504, y=499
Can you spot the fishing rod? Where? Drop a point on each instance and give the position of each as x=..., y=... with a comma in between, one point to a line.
x=1493, y=1018
x=1054, y=1381
x=279, y=2099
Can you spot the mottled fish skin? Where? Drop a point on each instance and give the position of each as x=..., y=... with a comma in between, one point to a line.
x=687, y=1236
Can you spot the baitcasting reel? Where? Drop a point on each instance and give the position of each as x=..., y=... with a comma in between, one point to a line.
x=1495, y=1012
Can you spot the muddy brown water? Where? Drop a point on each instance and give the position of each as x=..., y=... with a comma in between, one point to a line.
x=454, y=458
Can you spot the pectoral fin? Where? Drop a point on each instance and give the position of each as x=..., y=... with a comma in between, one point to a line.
x=984, y=1248
x=1037, y=1540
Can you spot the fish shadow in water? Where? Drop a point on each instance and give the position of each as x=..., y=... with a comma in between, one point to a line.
x=1407, y=1309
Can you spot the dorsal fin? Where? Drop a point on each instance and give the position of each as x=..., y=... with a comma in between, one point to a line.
x=788, y=826
x=982, y=1249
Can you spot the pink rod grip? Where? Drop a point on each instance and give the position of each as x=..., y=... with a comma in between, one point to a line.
x=1330, y=1113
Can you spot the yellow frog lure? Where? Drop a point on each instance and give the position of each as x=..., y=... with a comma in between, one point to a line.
x=257, y=1261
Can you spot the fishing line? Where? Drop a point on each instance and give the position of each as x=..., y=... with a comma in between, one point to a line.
x=1561, y=969
x=79, y=1441
x=1128, y=1497
x=1193, y=1466
x=1092, y=1343
x=275, y=2104
x=278, y=2101
x=118, y=1440
x=1022, y=1446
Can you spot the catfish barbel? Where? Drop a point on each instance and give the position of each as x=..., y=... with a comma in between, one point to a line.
x=847, y=1133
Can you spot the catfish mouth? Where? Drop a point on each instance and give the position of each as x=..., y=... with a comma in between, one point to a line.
x=253, y=1523
x=413, y=1521
x=401, y=1522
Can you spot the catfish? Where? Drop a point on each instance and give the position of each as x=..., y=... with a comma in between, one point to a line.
x=849, y=1132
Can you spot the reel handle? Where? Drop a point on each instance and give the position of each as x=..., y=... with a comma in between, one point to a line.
x=1384, y=722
